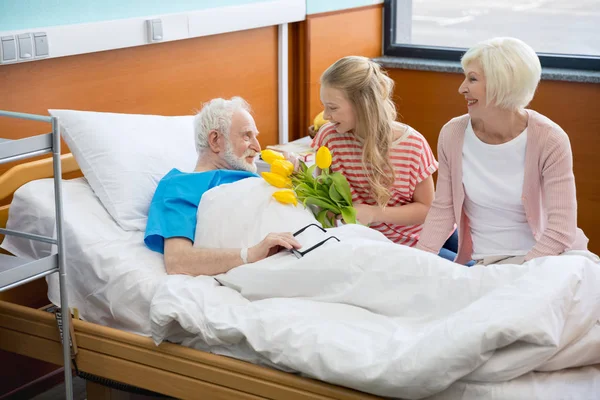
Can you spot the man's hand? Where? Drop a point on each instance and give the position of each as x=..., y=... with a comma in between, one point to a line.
x=272, y=244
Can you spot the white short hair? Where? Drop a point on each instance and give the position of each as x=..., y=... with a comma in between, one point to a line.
x=511, y=68
x=216, y=115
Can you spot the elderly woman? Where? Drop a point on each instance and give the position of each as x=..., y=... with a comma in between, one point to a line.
x=505, y=172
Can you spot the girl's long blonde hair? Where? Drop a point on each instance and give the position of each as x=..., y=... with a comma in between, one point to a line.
x=369, y=90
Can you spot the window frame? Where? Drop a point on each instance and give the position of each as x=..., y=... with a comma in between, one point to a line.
x=390, y=48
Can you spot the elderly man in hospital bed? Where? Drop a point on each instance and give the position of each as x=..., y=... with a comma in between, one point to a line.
x=226, y=142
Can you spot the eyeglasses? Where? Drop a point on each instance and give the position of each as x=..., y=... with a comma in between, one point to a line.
x=300, y=254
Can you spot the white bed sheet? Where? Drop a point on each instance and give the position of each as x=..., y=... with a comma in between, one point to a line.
x=113, y=279
x=111, y=275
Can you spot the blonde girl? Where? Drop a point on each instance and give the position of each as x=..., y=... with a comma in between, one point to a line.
x=388, y=164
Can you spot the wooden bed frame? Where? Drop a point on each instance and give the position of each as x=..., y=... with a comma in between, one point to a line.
x=169, y=369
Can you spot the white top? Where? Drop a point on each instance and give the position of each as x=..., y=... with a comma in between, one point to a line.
x=493, y=181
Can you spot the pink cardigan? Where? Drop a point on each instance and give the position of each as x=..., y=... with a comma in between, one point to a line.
x=548, y=192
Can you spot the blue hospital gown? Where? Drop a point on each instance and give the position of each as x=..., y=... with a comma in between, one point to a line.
x=175, y=203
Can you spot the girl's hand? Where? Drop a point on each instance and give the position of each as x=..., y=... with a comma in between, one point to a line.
x=332, y=217
x=365, y=214
x=293, y=158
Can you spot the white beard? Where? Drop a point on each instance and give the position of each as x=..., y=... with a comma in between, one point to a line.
x=239, y=163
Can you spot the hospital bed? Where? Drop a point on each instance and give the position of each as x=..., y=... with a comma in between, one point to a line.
x=115, y=349
x=125, y=357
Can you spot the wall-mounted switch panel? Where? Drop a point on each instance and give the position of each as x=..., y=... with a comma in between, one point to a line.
x=40, y=42
x=8, y=49
x=25, y=44
x=155, y=30
x=24, y=47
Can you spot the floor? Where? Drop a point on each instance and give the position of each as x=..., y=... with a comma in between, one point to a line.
x=58, y=392
x=79, y=393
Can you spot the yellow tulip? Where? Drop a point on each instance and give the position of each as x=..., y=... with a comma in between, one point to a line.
x=277, y=180
x=286, y=196
x=270, y=155
x=323, y=158
x=282, y=167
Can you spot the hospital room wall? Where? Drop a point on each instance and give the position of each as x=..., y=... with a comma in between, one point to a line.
x=168, y=79
x=26, y=14
x=319, y=41
x=174, y=78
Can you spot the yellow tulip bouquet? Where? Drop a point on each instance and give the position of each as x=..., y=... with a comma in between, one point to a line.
x=328, y=194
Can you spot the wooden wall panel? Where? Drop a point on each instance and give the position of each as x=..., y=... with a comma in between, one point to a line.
x=171, y=78
x=298, y=79
x=334, y=35
x=427, y=100
x=574, y=106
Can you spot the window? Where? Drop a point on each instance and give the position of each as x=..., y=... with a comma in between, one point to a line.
x=564, y=33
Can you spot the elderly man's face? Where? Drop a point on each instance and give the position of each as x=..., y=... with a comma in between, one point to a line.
x=243, y=145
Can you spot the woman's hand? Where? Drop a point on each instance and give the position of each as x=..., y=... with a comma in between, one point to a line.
x=365, y=214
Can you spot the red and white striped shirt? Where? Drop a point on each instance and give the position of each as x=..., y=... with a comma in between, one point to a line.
x=413, y=162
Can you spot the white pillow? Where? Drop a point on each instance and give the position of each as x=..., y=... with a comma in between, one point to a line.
x=123, y=156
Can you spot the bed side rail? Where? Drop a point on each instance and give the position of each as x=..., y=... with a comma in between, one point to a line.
x=20, y=174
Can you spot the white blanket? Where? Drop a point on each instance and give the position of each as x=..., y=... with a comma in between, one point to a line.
x=375, y=316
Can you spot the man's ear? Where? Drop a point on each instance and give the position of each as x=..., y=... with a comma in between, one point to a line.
x=214, y=142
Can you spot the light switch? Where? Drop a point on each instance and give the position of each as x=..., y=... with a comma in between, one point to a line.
x=8, y=49
x=155, y=30
x=40, y=41
x=25, y=46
